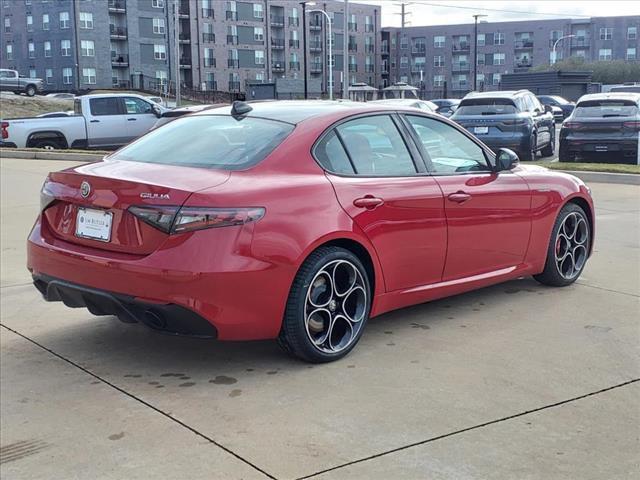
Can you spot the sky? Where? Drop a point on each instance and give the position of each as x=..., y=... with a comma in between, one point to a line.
x=440, y=12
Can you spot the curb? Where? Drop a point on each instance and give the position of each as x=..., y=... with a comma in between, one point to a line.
x=603, y=177
x=50, y=155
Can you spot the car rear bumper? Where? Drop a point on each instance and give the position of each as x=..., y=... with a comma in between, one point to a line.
x=4, y=144
x=609, y=149
x=518, y=142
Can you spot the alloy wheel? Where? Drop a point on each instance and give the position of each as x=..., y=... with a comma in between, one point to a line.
x=571, y=245
x=336, y=304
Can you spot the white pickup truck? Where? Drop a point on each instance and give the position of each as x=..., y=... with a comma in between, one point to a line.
x=99, y=121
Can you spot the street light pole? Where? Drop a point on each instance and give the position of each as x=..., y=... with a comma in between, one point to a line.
x=475, y=50
x=329, y=87
x=555, y=44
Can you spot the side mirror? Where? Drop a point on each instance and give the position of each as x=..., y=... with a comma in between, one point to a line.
x=157, y=110
x=506, y=160
x=548, y=109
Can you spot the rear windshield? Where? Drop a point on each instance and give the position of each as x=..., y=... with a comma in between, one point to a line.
x=212, y=141
x=486, y=106
x=606, y=108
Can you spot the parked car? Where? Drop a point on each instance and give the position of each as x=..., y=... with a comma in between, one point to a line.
x=409, y=102
x=556, y=101
x=170, y=115
x=100, y=121
x=446, y=106
x=158, y=100
x=61, y=96
x=603, y=127
x=11, y=81
x=509, y=119
x=299, y=220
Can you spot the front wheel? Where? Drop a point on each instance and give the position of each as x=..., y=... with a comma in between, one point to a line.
x=328, y=306
x=568, y=248
x=30, y=91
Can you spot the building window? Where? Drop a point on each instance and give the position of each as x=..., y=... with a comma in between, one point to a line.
x=631, y=53
x=368, y=24
x=65, y=48
x=48, y=75
x=89, y=76
x=498, y=58
x=480, y=78
x=259, y=76
x=404, y=61
x=438, y=80
x=157, y=3
x=259, y=57
x=604, y=54
x=161, y=78
x=47, y=49
x=438, y=41
x=7, y=25
x=29, y=23
x=404, y=43
x=158, y=26
x=481, y=39
x=64, y=20
x=159, y=52
x=606, y=33
x=496, y=78
x=32, y=73
x=87, y=48
x=498, y=38
x=257, y=11
x=86, y=20
x=45, y=21
x=67, y=76
x=32, y=50
x=438, y=61
x=632, y=33
x=580, y=53
x=258, y=34
x=209, y=60
x=9, y=51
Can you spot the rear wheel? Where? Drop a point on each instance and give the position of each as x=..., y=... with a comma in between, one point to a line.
x=568, y=248
x=550, y=149
x=30, y=91
x=48, y=144
x=328, y=306
x=565, y=156
x=530, y=153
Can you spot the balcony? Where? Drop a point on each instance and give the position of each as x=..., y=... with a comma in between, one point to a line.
x=461, y=47
x=277, y=43
x=460, y=67
x=464, y=85
x=232, y=39
x=369, y=48
x=352, y=26
x=418, y=67
x=184, y=38
x=234, y=86
x=209, y=37
x=233, y=63
x=277, y=21
x=119, y=60
x=185, y=62
x=353, y=47
x=294, y=65
x=294, y=21
x=315, y=25
x=117, y=6
x=208, y=13
x=231, y=15
x=523, y=65
x=525, y=44
x=315, y=46
x=211, y=85
x=353, y=67
x=117, y=32
x=277, y=67
x=315, y=67
x=580, y=42
x=209, y=62
x=294, y=43
x=419, y=49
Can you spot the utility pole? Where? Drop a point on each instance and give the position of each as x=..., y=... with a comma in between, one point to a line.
x=475, y=50
x=345, y=53
x=403, y=23
x=176, y=34
x=304, y=47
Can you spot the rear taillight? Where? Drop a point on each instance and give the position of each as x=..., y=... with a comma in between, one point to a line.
x=633, y=125
x=517, y=121
x=4, y=126
x=46, y=197
x=177, y=220
x=572, y=125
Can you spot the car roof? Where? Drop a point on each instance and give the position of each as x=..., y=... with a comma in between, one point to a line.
x=611, y=95
x=102, y=95
x=497, y=94
x=398, y=101
x=296, y=111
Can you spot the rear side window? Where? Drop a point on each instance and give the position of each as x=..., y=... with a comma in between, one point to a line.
x=332, y=156
x=77, y=106
x=104, y=106
x=606, y=108
x=486, y=106
x=212, y=141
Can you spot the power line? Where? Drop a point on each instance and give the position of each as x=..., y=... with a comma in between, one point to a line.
x=557, y=15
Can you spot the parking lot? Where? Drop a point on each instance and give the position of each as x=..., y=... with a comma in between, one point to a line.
x=512, y=381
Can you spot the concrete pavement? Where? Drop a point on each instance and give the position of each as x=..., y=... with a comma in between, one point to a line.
x=512, y=381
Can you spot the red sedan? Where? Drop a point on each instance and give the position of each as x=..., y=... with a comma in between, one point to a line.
x=300, y=221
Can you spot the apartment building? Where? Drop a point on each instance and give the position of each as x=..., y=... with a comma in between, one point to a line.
x=431, y=57
x=81, y=44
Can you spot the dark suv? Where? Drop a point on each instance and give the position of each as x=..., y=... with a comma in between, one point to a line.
x=509, y=119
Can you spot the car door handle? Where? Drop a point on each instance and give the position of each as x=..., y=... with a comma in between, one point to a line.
x=94, y=121
x=368, y=202
x=459, y=197
x=131, y=119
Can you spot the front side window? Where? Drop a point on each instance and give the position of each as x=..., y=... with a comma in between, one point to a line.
x=373, y=146
x=449, y=150
x=213, y=141
x=136, y=106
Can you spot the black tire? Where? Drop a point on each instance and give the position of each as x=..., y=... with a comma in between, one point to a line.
x=565, y=156
x=552, y=274
x=48, y=144
x=294, y=337
x=529, y=154
x=550, y=149
x=30, y=90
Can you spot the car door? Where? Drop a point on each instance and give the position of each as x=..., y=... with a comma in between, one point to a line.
x=384, y=187
x=139, y=117
x=105, y=124
x=488, y=213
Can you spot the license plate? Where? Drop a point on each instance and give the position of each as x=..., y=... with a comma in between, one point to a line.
x=601, y=148
x=480, y=129
x=94, y=224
